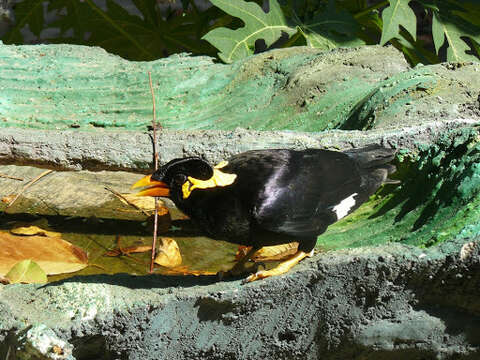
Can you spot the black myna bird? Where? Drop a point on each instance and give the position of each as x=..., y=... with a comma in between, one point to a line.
x=269, y=197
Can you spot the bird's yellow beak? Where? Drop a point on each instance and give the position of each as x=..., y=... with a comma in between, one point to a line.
x=156, y=188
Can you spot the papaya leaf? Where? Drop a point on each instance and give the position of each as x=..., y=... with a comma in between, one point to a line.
x=476, y=47
x=330, y=29
x=117, y=26
x=146, y=36
x=27, y=272
x=72, y=18
x=447, y=28
x=240, y=43
x=469, y=12
x=398, y=13
x=28, y=12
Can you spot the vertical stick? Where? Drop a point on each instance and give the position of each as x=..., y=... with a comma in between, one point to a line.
x=155, y=164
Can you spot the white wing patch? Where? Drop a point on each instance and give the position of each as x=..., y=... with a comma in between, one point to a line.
x=344, y=206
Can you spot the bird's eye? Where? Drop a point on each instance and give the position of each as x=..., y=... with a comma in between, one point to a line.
x=179, y=179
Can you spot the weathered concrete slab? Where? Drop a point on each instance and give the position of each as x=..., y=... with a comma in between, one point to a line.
x=69, y=193
x=132, y=151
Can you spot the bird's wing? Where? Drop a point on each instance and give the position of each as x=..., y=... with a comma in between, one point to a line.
x=312, y=190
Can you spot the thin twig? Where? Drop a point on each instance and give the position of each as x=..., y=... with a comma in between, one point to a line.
x=155, y=165
x=120, y=196
x=98, y=266
x=122, y=251
x=154, y=126
x=11, y=177
x=30, y=183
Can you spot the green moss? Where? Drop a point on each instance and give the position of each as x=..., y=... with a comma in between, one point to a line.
x=438, y=200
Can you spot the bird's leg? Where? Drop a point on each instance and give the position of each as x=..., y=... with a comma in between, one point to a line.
x=239, y=267
x=281, y=268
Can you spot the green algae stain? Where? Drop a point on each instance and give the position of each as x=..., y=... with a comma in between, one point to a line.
x=389, y=95
x=438, y=200
x=295, y=89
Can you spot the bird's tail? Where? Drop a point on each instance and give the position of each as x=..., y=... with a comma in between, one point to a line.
x=374, y=163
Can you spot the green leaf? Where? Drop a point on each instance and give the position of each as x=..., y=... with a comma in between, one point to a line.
x=26, y=271
x=72, y=17
x=119, y=26
x=28, y=12
x=414, y=50
x=398, y=13
x=442, y=29
x=147, y=8
x=330, y=29
x=476, y=47
x=130, y=36
x=240, y=43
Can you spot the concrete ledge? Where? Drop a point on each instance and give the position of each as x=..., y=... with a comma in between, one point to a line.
x=132, y=151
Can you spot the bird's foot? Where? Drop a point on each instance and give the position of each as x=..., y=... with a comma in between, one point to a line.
x=281, y=268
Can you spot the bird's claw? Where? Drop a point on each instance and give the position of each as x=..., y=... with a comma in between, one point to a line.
x=262, y=274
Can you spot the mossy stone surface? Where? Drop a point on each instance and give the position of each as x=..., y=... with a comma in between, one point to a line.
x=301, y=89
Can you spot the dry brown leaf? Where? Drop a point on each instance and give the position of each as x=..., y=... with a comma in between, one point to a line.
x=277, y=252
x=269, y=253
x=53, y=255
x=146, y=203
x=128, y=250
x=8, y=199
x=57, y=350
x=242, y=251
x=168, y=254
x=33, y=230
x=184, y=270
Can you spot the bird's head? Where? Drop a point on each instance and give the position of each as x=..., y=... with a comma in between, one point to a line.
x=170, y=179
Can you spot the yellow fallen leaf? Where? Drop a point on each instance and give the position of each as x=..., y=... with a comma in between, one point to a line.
x=269, y=253
x=53, y=255
x=168, y=253
x=184, y=270
x=26, y=272
x=146, y=203
x=276, y=252
x=8, y=199
x=58, y=350
x=33, y=230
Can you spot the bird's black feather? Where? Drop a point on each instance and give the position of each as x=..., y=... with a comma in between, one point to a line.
x=283, y=195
